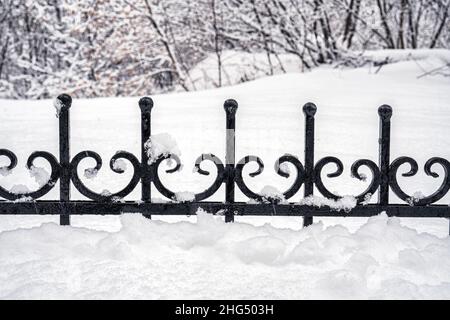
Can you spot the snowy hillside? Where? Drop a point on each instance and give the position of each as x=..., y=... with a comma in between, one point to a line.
x=131, y=257
x=238, y=67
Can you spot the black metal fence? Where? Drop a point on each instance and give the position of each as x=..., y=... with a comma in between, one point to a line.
x=384, y=179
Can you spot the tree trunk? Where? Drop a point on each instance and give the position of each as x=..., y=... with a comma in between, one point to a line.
x=383, y=16
x=217, y=44
x=441, y=25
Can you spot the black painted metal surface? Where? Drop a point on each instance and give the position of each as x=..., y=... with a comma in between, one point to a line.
x=309, y=111
x=384, y=179
x=146, y=105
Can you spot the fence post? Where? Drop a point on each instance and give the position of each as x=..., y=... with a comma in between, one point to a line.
x=230, y=107
x=63, y=105
x=384, y=141
x=309, y=111
x=146, y=105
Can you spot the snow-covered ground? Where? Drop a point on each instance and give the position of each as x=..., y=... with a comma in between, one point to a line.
x=131, y=257
x=213, y=260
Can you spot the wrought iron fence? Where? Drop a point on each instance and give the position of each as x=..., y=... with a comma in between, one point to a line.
x=384, y=179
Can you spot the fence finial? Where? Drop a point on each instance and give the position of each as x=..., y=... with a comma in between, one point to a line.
x=230, y=106
x=385, y=112
x=65, y=100
x=310, y=109
x=146, y=104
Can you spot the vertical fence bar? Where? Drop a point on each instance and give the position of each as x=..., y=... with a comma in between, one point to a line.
x=146, y=105
x=385, y=114
x=309, y=111
x=63, y=105
x=230, y=107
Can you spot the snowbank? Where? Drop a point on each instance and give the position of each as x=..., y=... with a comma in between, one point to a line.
x=393, y=56
x=238, y=67
x=211, y=259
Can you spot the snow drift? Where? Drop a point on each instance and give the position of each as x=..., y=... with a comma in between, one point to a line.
x=209, y=259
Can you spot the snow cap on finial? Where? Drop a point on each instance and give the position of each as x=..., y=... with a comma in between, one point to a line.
x=146, y=104
x=310, y=109
x=230, y=106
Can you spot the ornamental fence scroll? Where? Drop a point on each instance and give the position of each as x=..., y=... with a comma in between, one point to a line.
x=384, y=179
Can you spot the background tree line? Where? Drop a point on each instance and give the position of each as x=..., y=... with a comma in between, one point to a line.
x=95, y=48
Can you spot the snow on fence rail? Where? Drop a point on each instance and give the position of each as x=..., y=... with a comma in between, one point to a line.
x=384, y=178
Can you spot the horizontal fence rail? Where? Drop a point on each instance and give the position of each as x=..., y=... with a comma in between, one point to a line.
x=230, y=174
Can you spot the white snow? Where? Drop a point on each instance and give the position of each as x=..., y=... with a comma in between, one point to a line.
x=271, y=192
x=184, y=196
x=284, y=167
x=416, y=197
x=159, y=145
x=159, y=200
x=397, y=55
x=4, y=171
x=367, y=199
x=117, y=199
x=120, y=165
x=40, y=175
x=23, y=199
x=58, y=105
x=106, y=193
x=345, y=203
x=239, y=67
x=19, y=189
x=90, y=173
x=266, y=257
x=150, y=259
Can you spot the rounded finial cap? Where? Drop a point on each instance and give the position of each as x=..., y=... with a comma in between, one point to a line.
x=65, y=100
x=385, y=112
x=146, y=104
x=230, y=106
x=310, y=109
